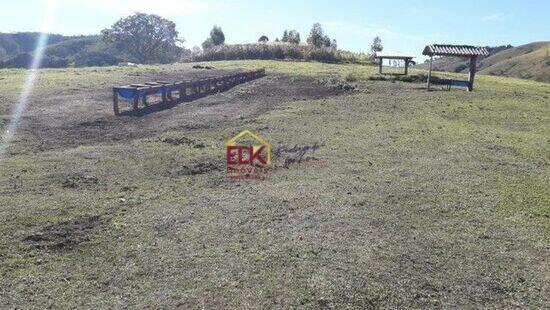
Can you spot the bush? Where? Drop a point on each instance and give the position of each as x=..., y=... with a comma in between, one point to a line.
x=322, y=54
x=251, y=51
x=22, y=60
x=279, y=51
x=54, y=62
x=460, y=68
x=350, y=57
x=95, y=59
x=351, y=77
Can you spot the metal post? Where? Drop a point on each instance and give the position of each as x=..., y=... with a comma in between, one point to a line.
x=380, y=68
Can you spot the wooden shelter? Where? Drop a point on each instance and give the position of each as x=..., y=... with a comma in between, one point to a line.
x=467, y=51
x=381, y=57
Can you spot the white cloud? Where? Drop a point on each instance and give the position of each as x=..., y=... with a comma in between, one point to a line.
x=161, y=7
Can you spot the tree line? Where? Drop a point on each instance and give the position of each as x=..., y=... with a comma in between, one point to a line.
x=149, y=38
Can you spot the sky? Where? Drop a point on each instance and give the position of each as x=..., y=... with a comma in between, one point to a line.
x=405, y=27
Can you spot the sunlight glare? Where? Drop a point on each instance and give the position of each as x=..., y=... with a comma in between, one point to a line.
x=31, y=75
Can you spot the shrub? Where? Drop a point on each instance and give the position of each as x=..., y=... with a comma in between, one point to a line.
x=351, y=77
x=54, y=62
x=22, y=60
x=322, y=54
x=251, y=51
x=96, y=58
x=461, y=67
x=279, y=51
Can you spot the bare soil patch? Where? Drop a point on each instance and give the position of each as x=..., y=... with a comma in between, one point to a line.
x=84, y=117
x=65, y=235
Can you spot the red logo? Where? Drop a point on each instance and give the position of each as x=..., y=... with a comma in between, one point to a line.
x=248, y=161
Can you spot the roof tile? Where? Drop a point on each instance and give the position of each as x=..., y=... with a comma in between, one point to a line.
x=454, y=50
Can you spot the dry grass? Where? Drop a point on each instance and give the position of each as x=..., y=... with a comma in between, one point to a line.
x=426, y=199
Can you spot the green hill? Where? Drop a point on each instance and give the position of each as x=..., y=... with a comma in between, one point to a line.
x=13, y=44
x=529, y=61
x=61, y=51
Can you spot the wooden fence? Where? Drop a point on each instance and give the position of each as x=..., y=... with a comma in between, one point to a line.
x=186, y=90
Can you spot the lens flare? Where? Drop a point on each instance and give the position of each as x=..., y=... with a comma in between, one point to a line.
x=31, y=75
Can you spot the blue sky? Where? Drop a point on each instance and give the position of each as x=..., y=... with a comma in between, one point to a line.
x=404, y=26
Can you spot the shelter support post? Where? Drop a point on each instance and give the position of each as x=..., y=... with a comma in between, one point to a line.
x=473, y=61
x=380, y=65
x=406, y=66
x=430, y=72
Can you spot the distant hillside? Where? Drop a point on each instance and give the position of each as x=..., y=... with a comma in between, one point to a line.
x=529, y=61
x=61, y=51
x=13, y=44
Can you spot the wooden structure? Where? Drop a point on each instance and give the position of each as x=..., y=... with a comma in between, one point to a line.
x=468, y=51
x=186, y=90
x=406, y=59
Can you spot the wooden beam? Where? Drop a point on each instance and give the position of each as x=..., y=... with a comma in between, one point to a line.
x=135, y=104
x=115, y=102
x=380, y=68
x=163, y=95
x=430, y=72
x=406, y=66
x=473, y=61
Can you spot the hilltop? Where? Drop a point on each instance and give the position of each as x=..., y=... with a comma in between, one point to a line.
x=529, y=61
x=411, y=199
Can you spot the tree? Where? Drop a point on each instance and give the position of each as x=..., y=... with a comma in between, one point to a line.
x=376, y=45
x=334, y=44
x=285, y=36
x=291, y=36
x=208, y=43
x=217, y=36
x=147, y=38
x=263, y=39
x=317, y=37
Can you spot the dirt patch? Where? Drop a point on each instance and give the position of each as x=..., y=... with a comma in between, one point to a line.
x=337, y=83
x=78, y=180
x=65, y=235
x=67, y=120
x=181, y=140
x=413, y=78
x=196, y=169
x=203, y=67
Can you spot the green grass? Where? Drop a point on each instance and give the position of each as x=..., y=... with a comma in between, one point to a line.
x=427, y=199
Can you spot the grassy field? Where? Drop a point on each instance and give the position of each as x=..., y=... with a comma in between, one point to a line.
x=423, y=199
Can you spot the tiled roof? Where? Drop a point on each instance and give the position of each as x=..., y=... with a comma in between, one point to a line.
x=454, y=50
x=391, y=55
